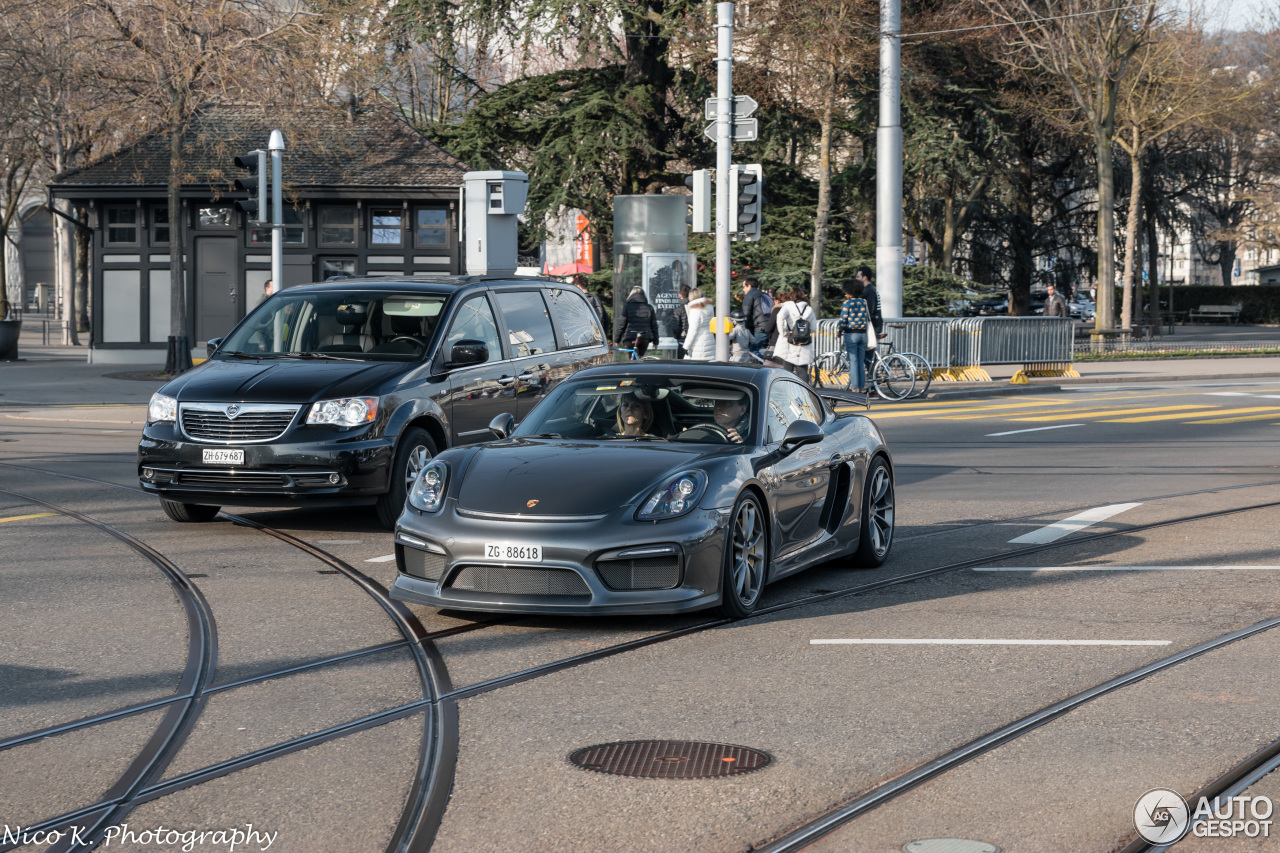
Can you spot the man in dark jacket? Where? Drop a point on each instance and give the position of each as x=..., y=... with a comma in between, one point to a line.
x=872, y=297
x=753, y=309
x=594, y=301
x=1055, y=305
x=637, y=323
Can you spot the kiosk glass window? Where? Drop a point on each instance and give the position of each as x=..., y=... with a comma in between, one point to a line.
x=386, y=226
x=338, y=226
x=122, y=226
x=431, y=228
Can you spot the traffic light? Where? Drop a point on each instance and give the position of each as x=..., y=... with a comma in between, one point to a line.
x=747, y=185
x=699, y=216
x=255, y=184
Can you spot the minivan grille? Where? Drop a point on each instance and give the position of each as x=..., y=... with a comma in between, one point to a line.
x=229, y=479
x=253, y=425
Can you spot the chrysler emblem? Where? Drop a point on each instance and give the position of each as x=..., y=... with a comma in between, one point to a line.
x=232, y=411
x=531, y=504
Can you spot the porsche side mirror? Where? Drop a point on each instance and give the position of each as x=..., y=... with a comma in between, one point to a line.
x=502, y=425
x=212, y=346
x=799, y=434
x=467, y=352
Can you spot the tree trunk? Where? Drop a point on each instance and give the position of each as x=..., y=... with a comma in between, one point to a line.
x=1153, y=271
x=80, y=288
x=822, y=220
x=177, y=290
x=948, y=233
x=1022, y=231
x=1131, y=264
x=1106, y=232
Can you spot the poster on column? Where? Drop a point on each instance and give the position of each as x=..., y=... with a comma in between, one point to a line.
x=664, y=272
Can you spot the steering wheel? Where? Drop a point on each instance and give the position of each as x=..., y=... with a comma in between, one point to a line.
x=419, y=345
x=706, y=431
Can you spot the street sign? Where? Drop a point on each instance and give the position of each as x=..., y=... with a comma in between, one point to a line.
x=743, y=106
x=909, y=261
x=742, y=130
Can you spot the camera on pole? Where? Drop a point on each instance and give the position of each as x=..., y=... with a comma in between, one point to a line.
x=256, y=184
x=699, y=216
x=747, y=185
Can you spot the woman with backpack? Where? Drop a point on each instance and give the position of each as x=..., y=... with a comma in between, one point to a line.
x=796, y=325
x=854, y=317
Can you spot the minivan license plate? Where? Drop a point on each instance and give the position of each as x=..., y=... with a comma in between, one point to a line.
x=513, y=551
x=223, y=457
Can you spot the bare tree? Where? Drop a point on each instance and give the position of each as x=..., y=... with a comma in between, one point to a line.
x=1088, y=44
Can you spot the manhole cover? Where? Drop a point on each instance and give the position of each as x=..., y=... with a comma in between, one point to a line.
x=670, y=759
x=950, y=845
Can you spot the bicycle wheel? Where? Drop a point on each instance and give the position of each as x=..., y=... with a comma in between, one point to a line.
x=923, y=372
x=831, y=370
x=894, y=377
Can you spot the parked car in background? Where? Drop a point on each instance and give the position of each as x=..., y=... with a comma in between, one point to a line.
x=341, y=393
x=1082, y=309
x=659, y=487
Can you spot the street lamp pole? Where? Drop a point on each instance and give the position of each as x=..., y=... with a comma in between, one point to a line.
x=889, y=162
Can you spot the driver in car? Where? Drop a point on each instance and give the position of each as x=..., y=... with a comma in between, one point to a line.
x=635, y=416
x=731, y=416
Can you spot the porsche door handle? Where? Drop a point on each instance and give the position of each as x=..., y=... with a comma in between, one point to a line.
x=526, y=377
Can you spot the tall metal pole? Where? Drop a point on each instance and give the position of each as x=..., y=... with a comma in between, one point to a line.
x=724, y=158
x=889, y=162
x=276, y=148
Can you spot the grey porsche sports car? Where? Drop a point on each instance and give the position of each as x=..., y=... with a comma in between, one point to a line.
x=649, y=487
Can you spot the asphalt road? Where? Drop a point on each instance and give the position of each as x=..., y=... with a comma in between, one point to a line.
x=292, y=731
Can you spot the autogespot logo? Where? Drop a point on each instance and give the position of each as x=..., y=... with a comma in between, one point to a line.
x=1161, y=816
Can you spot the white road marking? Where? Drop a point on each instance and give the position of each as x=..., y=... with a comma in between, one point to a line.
x=1067, y=526
x=386, y=559
x=1242, y=394
x=989, y=642
x=1033, y=429
x=1034, y=569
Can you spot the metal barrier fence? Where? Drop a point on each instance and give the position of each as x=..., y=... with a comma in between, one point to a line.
x=957, y=348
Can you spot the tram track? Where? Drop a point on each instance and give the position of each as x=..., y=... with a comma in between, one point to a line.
x=419, y=823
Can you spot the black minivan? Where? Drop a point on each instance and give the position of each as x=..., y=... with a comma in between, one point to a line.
x=339, y=393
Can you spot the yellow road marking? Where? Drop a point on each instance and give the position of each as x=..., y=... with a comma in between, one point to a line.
x=25, y=517
x=1104, y=412
x=1185, y=415
x=905, y=413
x=1262, y=417
x=932, y=412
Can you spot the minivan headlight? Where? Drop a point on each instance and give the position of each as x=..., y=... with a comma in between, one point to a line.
x=346, y=412
x=427, y=493
x=162, y=408
x=674, y=498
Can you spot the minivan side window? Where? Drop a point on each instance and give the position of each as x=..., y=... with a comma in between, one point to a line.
x=474, y=321
x=579, y=325
x=528, y=323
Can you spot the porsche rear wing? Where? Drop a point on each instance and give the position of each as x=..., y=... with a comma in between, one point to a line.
x=845, y=402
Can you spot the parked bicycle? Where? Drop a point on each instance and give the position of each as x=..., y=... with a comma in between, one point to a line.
x=894, y=376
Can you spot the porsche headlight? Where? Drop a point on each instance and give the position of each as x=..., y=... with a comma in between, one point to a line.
x=427, y=493
x=346, y=412
x=161, y=408
x=674, y=498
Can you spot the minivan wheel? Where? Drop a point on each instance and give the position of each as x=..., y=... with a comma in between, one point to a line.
x=188, y=512
x=415, y=451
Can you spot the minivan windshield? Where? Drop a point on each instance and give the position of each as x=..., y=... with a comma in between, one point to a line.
x=335, y=324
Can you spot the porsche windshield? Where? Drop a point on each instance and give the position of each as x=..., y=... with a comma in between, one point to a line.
x=329, y=324
x=646, y=408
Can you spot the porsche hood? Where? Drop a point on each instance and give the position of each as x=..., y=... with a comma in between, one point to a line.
x=565, y=478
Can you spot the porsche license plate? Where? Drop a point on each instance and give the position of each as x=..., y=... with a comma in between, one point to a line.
x=513, y=551
x=222, y=456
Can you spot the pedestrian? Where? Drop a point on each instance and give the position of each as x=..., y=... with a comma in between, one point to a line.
x=796, y=325
x=771, y=323
x=594, y=301
x=268, y=288
x=754, y=311
x=767, y=298
x=1055, y=305
x=739, y=339
x=681, y=330
x=872, y=298
x=637, y=325
x=699, y=343
x=853, y=325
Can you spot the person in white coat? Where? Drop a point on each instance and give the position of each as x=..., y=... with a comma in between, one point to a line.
x=792, y=347
x=699, y=343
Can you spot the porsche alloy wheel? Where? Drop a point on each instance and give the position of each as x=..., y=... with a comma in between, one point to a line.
x=746, y=559
x=876, y=536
